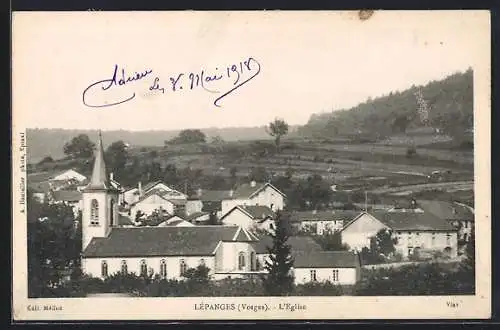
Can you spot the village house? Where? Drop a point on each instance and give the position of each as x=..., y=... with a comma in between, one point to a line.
x=134, y=194
x=460, y=216
x=40, y=190
x=228, y=251
x=254, y=193
x=150, y=203
x=321, y=222
x=250, y=217
x=312, y=264
x=415, y=231
x=71, y=198
x=69, y=175
x=207, y=201
x=337, y=267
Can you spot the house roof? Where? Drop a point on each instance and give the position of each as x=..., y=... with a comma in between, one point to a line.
x=67, y=195
x=66, y=171
x=325, y=259
x=145, y=196
x=332, y=215
x=160, y=241
x=412, y=221
x=150, y=185
x=447, y=210
x=255, y=212
x=246, y=190
x=297, y=243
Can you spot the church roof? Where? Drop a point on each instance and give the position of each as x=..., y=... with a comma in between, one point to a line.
x=99, y=179
x=161, y=241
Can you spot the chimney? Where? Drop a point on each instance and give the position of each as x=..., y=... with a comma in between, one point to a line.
x=231, y=193
x=111, y=176
x=139, y=187
x=253, y=183
x=198, y=192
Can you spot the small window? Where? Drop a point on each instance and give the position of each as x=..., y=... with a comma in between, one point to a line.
x=202, y=262
x=104, y=268
x=313, y=275
x=335, y=275
x=124, y=267
x=163, y=268
x=241, y=261
x=144, y=268
x=183, y=267
x=94, y=213
x=448, y=239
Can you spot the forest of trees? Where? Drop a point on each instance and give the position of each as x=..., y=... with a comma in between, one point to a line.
x=450, y=104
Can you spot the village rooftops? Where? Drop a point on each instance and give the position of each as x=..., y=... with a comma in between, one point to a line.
x=255, y=212
x=164, y=241
x=332, y=215
x=326, y=259
x=243, y=191
x=248, y=190
x=409, y=221
x=447, y=210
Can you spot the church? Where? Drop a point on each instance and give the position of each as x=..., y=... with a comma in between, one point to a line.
x=229, y=251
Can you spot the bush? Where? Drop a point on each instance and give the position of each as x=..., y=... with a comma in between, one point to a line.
x=326, y=288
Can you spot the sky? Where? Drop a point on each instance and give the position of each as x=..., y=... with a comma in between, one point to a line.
x=309, y=63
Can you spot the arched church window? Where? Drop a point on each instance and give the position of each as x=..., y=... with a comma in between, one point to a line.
x=253, y=261
x=104, y=268
x=124, y=267
x=112, y=212
x=163, y=268
x=144, y=268
x=94, y=212
x=241, y=261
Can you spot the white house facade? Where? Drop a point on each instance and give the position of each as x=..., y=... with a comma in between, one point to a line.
x=250, y=217
x=253, y=193
x=415, y=231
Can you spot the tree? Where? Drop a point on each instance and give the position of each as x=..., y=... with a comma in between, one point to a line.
x=117, y=157
x=331, y=241
x=54, y=245
x=384, y=243
x=79, y=147
x=46, y=159
x=258, y=174
x=279, y=280
x=189, y=136
x=277, y=129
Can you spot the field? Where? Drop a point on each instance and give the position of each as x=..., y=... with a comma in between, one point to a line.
x=379, y=169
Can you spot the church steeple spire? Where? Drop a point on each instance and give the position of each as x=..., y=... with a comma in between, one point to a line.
x=99, y=179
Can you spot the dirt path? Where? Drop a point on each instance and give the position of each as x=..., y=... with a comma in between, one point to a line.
x=459, y=185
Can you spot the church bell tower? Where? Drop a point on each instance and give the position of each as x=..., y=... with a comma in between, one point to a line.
x=100, y=201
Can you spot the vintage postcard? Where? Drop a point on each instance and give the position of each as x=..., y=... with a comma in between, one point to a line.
x=251, y=165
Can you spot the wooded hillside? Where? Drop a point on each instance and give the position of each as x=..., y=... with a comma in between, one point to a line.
x=449, y=103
